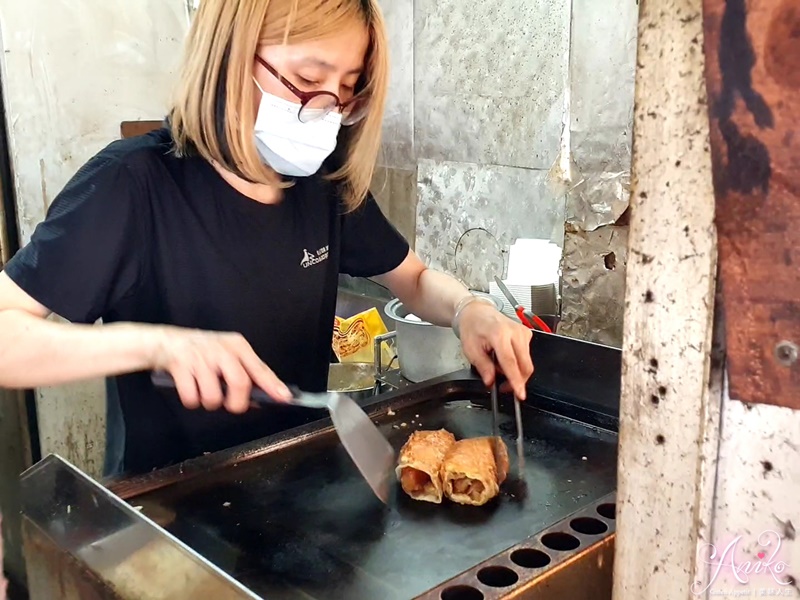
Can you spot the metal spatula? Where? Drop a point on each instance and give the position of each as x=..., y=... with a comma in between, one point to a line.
x=368, y=448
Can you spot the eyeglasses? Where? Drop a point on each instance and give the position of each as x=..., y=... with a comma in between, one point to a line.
x=316, y=105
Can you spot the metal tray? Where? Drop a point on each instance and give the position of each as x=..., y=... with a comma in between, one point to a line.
x=82, y=542
x=290, y=516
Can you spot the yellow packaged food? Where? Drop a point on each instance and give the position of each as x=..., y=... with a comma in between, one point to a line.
x=354, y=338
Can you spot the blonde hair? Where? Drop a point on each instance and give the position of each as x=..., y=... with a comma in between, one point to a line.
x=212, y=111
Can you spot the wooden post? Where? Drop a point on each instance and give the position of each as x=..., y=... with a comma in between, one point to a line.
x=669, y=407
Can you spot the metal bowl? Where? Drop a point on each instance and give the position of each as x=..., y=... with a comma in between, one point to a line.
x=425, y=351
x=357, y=380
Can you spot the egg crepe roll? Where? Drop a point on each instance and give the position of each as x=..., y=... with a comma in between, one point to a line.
x=419, y=464
x=470, y=474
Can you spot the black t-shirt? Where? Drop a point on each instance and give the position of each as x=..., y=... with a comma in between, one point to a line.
x=141, y=235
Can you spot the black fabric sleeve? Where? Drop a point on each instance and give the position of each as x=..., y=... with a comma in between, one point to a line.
x=85, y=255
x=371, y=245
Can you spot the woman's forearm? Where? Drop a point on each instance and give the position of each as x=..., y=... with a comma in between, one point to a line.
x=435, y=297
x=489, y=337
x=38, y=352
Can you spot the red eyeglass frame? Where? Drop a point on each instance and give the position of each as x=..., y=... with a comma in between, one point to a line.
x=306, y=97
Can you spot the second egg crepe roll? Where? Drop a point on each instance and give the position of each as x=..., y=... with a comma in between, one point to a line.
x=419, y=464
x=470, y=473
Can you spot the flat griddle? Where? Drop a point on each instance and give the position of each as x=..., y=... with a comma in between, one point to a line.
x=291, y=517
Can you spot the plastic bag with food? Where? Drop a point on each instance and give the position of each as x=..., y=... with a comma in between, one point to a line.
x=354, y=338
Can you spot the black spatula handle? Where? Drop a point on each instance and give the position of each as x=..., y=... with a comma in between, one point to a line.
x=165, y=381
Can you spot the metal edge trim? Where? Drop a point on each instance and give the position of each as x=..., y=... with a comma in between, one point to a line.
x=449, y=387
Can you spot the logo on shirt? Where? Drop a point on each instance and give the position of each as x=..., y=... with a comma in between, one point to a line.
x=310, y=259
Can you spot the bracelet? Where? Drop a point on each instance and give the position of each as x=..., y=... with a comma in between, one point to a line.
x=462, y=305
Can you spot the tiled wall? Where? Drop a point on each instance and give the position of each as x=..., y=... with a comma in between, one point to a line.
x=507, y=119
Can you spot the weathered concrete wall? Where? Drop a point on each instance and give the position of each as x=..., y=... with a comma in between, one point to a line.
x=602, y=66
x=490, y=84
x=756, y=501
x=71, y=73
x=475, y=115
x=394, y=184
x=398, y=127
x=490, y=80
x=396, y=193
x=593, y=284
x=469, y=214
x=601, y=78
x=487, y=100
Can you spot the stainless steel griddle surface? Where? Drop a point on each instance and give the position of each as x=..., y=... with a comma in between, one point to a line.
x=299, y=522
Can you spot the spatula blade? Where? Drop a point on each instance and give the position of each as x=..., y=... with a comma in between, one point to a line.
x=370, y=450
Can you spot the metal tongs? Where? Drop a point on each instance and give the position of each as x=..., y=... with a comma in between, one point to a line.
x=496, y=426
x=370, y=450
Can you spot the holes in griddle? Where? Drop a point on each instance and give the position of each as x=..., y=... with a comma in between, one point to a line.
x=497, y=577
x=588, y=526
x=560, y=541
x=529, y=558
x=609, y=511
x=532, y=558
x=461, y=592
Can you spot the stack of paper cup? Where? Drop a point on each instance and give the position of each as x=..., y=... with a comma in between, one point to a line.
x=533, y=276
x=539, y=299
x=533, y=262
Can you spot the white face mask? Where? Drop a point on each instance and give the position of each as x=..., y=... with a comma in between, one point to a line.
x=288, y=145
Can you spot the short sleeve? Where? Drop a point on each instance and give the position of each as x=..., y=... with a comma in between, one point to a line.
x=371, y=245
x=86, y=254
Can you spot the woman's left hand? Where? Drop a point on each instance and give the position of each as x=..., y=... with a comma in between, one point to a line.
x=483, y=331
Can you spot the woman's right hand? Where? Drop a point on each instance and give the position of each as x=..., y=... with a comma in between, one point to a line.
x=198, y=359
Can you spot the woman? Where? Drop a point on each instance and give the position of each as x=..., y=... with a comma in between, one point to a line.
x=211, y=248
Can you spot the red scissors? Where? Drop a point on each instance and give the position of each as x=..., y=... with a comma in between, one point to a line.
x=530, y=320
